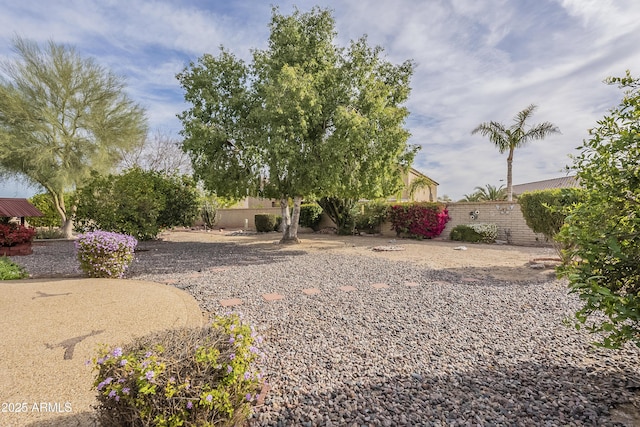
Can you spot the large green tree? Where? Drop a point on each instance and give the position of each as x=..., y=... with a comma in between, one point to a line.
x=507, y=139
x=63, y=116
x=305, y=119
x=602, y=230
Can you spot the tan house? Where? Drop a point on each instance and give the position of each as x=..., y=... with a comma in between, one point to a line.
x=425, y=191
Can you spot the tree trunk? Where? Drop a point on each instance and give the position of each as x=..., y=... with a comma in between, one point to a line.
x=66, y=221
x=290, y=226
x=67, y=228
x=509, y=178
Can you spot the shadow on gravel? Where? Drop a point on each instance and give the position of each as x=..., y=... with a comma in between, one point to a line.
x=527, y=394
x=57, y=259
x=157, y=257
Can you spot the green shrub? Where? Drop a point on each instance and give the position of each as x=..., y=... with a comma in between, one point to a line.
x=9, y=270
x=266, y=222
x=310, y=215
x=489, y=232
x=545, y=210
x=371, y=216
x=276, y=227
x=464, y=233
x=203, y=376
x=44, y=203
x=137, y=202
x=105, y=254
x=602, y=231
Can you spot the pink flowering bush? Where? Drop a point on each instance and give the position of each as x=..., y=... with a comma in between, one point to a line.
x=105, y=254
x=186, y=377
x=419, y=220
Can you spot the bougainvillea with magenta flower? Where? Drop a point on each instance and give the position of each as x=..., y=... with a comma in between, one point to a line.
x=418, y=220
x=105, y=254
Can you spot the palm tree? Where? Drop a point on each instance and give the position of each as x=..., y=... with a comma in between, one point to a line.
x=474, y=197
x=418, y=184
x=515, y=136
x=491, y=193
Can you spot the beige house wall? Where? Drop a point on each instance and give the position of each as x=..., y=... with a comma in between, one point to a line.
x=429, y=194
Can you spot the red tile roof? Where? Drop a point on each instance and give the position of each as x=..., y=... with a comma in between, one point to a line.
x=17, y=207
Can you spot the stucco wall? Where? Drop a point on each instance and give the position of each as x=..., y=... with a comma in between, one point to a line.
x=512, y=227
x=235, y=218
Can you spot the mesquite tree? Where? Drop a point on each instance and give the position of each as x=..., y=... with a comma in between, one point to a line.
x=306, y=119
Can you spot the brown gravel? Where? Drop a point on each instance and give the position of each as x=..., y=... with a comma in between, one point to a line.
x=504, y=262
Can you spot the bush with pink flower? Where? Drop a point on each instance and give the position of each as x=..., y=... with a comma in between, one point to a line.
x=105, y=254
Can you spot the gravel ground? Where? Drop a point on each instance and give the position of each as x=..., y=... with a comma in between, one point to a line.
x=448, y=351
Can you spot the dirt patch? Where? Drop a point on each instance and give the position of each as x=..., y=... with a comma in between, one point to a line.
x=503, y=262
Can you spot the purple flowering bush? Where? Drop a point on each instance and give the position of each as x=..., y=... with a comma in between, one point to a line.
x=105, y=254
x=203, y=376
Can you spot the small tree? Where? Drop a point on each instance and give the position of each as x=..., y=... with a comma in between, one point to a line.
x=306, y=119
x=507, y=139
x=61, y=117
x=603, y=231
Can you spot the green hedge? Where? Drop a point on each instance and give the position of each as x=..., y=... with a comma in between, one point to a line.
x=267, y=222
x=545, y=210
x=310, y=215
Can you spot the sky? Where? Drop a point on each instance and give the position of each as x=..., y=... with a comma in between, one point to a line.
x=476, y=61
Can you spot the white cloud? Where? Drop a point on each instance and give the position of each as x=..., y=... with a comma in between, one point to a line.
x=476, y=61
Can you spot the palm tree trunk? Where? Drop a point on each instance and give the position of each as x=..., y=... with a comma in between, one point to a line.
x=509, y=175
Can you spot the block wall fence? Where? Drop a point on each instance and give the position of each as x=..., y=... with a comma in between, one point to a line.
x=512, y=227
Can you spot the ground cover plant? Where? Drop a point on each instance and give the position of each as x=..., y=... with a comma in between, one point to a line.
x=9, y=270
x=105, y=254
x=196, y=377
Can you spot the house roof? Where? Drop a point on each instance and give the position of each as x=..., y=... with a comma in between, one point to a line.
x=17, y=207
x=547, y=184
x=418, y=173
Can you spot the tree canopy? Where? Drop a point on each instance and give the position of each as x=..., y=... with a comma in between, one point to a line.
x=306, y=119
x=507, y=139
x=63, y=116
x=602, y=231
